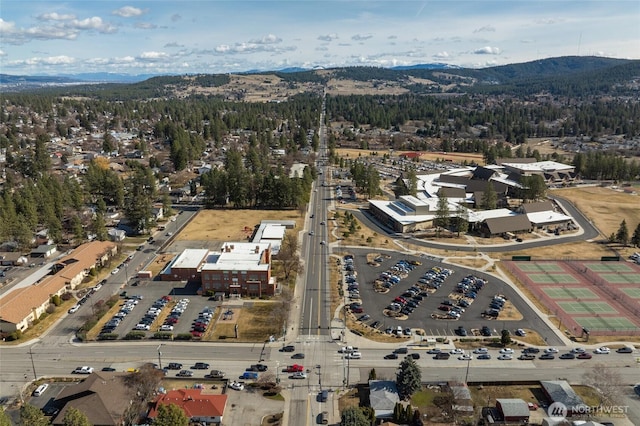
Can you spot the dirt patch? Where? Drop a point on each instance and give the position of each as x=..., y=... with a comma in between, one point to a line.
x=477, y=263
x=509, y=313
x=256, y=323
x=232, y=225
x=205, y=384
x=159, y=263
x=581, y=250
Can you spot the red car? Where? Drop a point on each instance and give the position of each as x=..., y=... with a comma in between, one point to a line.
x=295, y=368
x=584, y=355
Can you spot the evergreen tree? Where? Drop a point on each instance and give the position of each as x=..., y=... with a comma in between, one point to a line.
x=489, y=198
x=32, y=416
x=171, y=415
x=622, y=236
x=441, y=219
x=5, y=420
x=372, y=374
x=462, y=220
x=635, y=239
x=408, y=378
x=505, y=337
x=353, y=416
x=75, y=417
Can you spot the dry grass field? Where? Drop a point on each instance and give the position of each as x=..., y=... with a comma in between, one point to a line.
x=606, y=207
x=231, y=224
x=256, y=322
x=424, y=156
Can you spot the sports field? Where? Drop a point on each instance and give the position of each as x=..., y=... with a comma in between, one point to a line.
x=601, y=296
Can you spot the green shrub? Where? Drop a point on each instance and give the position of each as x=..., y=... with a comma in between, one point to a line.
x=183, y=336
x=163, y=335
x=108, y=336
x=135, y=335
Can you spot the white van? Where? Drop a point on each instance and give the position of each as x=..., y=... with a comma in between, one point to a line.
x=40, y=389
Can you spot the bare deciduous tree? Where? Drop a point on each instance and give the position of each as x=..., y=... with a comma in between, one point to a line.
x=607, y=381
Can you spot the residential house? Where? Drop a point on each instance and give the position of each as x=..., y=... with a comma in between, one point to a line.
x=198, y=407
x=561, y=391
x=513, y=410
x=383, y=397
x=116, y=234
x=103, y=397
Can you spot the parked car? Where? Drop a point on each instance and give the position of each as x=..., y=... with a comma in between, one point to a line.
x=184, y=373
x=584, y=355
x=568, y=355
x=236, y=385
x=624, y=350
x=289, y=348
x=391, y=356
x=602, y=350
x=200, y=366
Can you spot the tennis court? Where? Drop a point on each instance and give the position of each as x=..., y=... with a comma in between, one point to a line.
x=570, y=293
x=553, y=278
x=632, y=292
x=539, y=267
x=609, y=267
x=620, y=278
x=587, y=308
x=606, y=323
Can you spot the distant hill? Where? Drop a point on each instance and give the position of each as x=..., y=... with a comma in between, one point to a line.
x=569, y=75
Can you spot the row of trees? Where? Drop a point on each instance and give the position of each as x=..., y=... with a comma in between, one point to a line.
x=622, y=235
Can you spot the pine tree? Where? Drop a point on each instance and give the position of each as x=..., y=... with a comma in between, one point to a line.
x=75, y=417
x=622, y=236
x=489, y=198
x=409, y=378
x=32, y=416
x=635, y=239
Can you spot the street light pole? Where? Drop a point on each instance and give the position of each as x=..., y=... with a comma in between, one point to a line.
x=159, y=357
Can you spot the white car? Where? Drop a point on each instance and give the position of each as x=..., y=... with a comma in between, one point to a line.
x=115, y=271
x=299, y=375
x=520, y=332
x=551, y=351
x=236, y=386
x=505, y=357
x=481, y=351
x=506, y=351
x=166, y=327
x=465, y=357
x=457, y=352
x=602, y=350
x=74, y=309
x=142, y=327
x=578, y=350
x=83, y=370
x=353, y=355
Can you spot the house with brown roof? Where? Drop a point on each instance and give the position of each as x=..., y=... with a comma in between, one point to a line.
x=103, y=397
x=198, y=407
x=515, y=224
x=26, y=302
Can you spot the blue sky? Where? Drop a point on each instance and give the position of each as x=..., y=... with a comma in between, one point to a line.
x=213, y=36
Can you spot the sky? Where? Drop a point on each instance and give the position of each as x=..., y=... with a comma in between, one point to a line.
x=218, y=36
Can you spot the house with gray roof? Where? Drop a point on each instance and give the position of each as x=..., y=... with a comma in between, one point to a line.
x=561, y=391
x=383, y=397
x=513, y=410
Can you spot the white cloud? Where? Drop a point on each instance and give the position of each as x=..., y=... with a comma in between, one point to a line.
x=128, y=12
x=485, y=29
x=145, y=26
x=442, y=55
x=93, y=23
x=3, y=53
x=328, y=37
x=55, y=17
x=173, y=44
x=361, y=37
x=487, y=50
x=51, y=60
x=268, y=39
x=153, y=56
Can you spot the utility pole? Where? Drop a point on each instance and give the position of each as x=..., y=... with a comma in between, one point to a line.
x=33, y=365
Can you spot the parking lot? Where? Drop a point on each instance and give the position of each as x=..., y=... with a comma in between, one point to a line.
x=375, y=304
x=143, y=303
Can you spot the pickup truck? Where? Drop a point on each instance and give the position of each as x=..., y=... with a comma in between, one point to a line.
x=83, y=370
x=216, y=374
